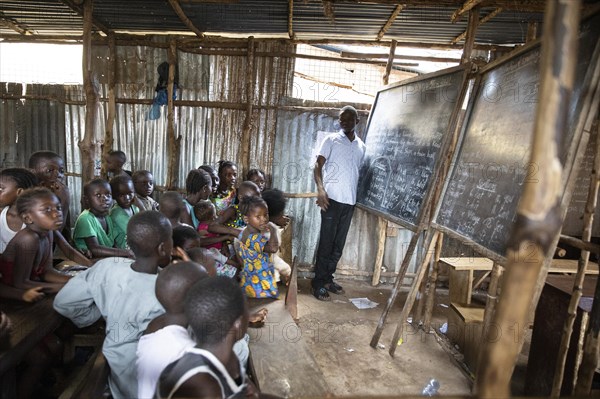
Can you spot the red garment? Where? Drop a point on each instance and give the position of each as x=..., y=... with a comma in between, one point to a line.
x=7, y=270
x=204, y=226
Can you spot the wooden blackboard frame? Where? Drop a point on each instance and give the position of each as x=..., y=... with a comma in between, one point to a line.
x=572, y=157
x=450, y=131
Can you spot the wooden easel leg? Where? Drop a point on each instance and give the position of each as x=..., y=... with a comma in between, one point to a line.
x=432, y=284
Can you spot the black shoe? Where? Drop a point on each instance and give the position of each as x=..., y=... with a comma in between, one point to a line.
x=334, y=288
x=321, y=294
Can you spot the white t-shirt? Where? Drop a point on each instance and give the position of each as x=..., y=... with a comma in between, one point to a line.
x=343, y=159
x=6, y=234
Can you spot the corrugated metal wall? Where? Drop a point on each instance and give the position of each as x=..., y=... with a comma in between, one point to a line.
x=292, y=172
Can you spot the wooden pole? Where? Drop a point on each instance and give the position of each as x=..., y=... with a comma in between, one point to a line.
x=291, y=33
x=470, y=36
x=90, y=147
x=390, y=62
x=467, y=6
x=431, y=240
x=355, y=55
x=432, y=283
x=538, y=215
x=490, y=305
x=111, y=106
x=247, y=129
x=186, y=21
x=532, y=29
x=421, y=294
x=390, y=21
x=481, y=22
x=584, y=245
x=173, y=141
x=381, y=234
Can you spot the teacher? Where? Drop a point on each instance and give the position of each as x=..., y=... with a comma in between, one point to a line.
x=336, y=175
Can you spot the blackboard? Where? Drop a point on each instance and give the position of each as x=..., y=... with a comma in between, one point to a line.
x=491, y=163
x=405, y=133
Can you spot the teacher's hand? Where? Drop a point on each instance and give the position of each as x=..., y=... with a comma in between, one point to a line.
x=322, y=200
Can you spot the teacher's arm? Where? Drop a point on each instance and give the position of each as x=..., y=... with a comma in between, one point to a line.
x=322, y=198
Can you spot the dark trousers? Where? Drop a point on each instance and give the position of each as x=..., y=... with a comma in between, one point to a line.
x=335, y=223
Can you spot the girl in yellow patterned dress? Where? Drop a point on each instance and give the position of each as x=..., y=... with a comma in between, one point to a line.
x=255, y=243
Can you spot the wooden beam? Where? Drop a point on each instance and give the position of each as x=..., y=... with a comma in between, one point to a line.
x=580, y=244
x=390, y=62
x=390, y=21
x=350, y=54
x=247, y=127
x=470, y=38
x=291, y=19
x=481, y=22
x=532, y=28
x=100, y=25
x=186, y=21
x=538, y=216
x=174, y=143
x=328, y=10
x=111, y=106
x=13, y=24
x=536, y=6
x=381, y=235
x=467, y=6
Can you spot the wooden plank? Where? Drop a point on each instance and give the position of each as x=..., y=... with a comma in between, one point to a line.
x=291, y=296
x=461, y=286
x=486, y=264
x=283, y=364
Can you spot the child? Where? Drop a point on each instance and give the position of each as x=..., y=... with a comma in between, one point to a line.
x=94, y=229
x=253, y=247
x=122, y=292
x=206, y=214
x=276, y=203
x=13, y=182
x=166, y=337
x=218, y=315
x=213, y=175
x=143, y=181
x=27, y=260
x=123, y=208
x=232, y=217
x=225, y=194
x=198, y=186
x=114, y=164
x=171, y=205
x=257, y=176
x=49, y=168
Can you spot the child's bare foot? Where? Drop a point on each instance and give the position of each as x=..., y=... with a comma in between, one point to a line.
x=33, y=294
x=257, y=319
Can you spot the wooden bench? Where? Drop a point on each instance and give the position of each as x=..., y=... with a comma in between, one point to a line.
x=462, y=270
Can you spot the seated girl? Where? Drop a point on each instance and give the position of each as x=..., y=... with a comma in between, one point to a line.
x=94, y=229
x=225, y=193
x=256, y=242
x=257, y=176
x=123, y=208
x=232, y=217
x=206, y=214
x=198, y=186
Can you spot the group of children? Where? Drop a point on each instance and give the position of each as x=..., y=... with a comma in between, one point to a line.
x=225, y=237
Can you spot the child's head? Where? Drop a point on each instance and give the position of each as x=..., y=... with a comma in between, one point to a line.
x=171, y=204
x=216, y=310
x=213, y=175
x=247, y=189
x=40, y=209
x=185, y=237
x=149, y=234
x=143, y=182
x=227, y=175
x=198, y=186
x=205, y=211
x=12, y=182
x=173, y=283
x=202, y=256
x=257, y=176
x=48, y=166
x=97, y=197
x=115, y=161
x=275, y=201
x=123, y=190
x=348, y=118
x=256, y=213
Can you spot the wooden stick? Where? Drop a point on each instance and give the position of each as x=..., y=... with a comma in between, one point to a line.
x=90, y=147
x=532, y=28
x=390, y=21
x=584, y=245
x=538, y=214
x=490, y=306
x=390, y=61
x=480, y=280
x=469, y=4
x=14, y=25
x=381, y=235
x=585, y=319
x=470, y=36
x=432, y=284
x=591, y=348
x=247, y=129
x=111, y=106
x=186, y=21
x=291, y=19
x=291, y=296
x=328, y=10
x=355, y=55
x=431, y=240
x=482, y=21
x=417, y=319
x=174, y=143
x=101, y=25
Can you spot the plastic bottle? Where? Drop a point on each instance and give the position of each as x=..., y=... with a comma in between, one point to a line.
x=431, y=389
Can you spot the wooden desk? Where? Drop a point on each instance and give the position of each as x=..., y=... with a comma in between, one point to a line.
x=30, y=324
x=462, y=270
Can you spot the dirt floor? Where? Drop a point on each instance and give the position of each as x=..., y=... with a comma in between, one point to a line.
x=338, y=335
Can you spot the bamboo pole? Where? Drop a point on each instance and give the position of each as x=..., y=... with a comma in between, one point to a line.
x=482, y=21
x=186, y=21
x=90, y=147
x=381, y=234
x=538, y=214
x=174, y=143
x=111, y=108
x=390, y=21
x=429, y=302
x=431, y=240
x=390, y=62
x=470, y=36
x=248, y=121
